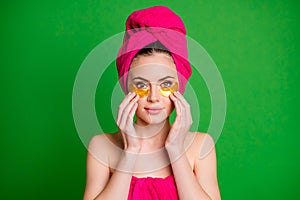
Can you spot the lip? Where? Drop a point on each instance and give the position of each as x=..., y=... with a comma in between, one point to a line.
x=154, y=110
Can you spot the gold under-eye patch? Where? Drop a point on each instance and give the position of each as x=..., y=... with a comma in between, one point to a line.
x=145, y=92
x=168, y=91
x=141, y=92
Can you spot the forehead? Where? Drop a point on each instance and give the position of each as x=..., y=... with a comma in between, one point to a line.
x=152, y=72
x=153, y=67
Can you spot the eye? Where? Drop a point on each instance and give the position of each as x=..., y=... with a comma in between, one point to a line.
x=166, y=84
x=141, y=85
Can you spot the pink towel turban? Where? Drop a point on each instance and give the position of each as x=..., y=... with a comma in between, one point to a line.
x=149, y=25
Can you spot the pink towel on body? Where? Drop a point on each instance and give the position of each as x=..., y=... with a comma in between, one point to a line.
x=150, y=188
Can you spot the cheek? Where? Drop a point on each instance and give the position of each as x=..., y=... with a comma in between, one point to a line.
x=141, y=105
x=169, y=105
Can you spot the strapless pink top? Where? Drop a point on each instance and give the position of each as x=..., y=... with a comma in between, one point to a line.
x=151, y=188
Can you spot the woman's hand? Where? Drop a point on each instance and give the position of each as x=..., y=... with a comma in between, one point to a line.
x=126, y=112
x=182, y=123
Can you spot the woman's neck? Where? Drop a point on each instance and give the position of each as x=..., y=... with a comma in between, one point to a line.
x=152, y=136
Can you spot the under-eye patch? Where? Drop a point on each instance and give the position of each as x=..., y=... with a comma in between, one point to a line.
x=168, y=91
x=141, y=92
x=164, y=91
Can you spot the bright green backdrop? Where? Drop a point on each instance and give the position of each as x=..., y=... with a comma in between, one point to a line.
x=255, y=44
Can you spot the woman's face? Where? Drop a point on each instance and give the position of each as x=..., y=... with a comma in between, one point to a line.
x=154, y=74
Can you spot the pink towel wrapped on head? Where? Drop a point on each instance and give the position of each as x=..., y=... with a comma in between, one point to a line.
x=147, y=26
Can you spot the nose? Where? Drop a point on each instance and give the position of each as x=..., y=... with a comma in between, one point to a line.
x=153, y=94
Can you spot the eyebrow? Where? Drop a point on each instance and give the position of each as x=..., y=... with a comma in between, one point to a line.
x=149, y=81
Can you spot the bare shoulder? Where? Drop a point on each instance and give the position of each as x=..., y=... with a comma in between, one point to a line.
x=197, y=139
x=101, y=146
x=98, y=164
x=112, y=138
x=201, y=145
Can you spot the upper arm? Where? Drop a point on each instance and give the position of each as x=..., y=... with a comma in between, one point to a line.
x=205, y=167
x=97, y=170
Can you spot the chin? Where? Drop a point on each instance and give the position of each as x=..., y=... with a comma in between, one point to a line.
x=157, y=120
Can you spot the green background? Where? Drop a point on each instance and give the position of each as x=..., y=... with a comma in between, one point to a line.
x=255, y=45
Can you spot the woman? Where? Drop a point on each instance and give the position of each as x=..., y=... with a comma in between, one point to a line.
x=158, y=160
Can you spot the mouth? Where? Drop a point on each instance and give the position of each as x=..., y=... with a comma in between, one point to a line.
x=153, y=110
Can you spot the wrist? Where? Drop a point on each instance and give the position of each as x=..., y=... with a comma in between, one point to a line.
x=174, y=151
x=171, y=146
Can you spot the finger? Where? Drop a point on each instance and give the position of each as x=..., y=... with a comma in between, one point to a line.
x=129, y=121
x=132, y=112
x=178, y=107
x=126, y=111
x=181, y=98
x=123, y=105
x=186, y=107
x=183, y=116
x=177, y=123
x=175, y=100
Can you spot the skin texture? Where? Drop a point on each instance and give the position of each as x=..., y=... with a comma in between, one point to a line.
x=189, y=156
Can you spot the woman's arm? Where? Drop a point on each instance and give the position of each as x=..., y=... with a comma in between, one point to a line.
x=202, y=186
x=98, y=184
x=205, y=166
x=97, y=176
